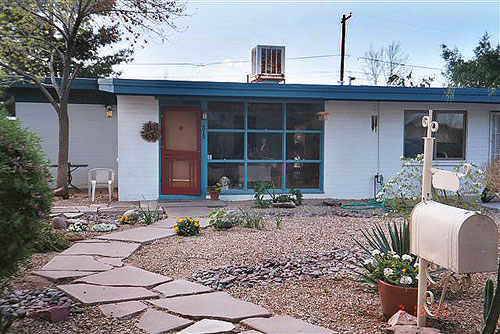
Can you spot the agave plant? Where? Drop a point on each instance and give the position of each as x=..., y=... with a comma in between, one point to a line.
x=491, y=309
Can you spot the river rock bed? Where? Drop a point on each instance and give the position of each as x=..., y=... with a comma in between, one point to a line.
x=20, y=303
x=337, y=263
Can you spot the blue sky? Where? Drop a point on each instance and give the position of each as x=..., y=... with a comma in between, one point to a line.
x=225, y=31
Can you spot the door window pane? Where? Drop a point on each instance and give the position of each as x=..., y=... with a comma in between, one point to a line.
x=302, y=146
x=264, y=146
x=302, y=116
x=301, y=175
x=230, y=175
x=450, y=136
x=270, y=172
x=265, y=116
x=225, y=145
x=226, y=115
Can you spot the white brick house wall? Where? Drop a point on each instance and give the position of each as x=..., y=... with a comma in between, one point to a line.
x=93, y=136
x=138, y=160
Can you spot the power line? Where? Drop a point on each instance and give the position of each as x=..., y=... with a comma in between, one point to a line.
x=402, y=64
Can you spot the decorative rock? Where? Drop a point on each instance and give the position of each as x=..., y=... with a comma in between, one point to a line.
x=55, y=314
x=73, y=215
x=143, y=235
x=109, y=249
x=58, y=275
x=332, y=202
x=286, y=205
x=133, y=212
x=181, y=288
x=76, y=263
x=402, y=318
x=283, y=324
x=156, y=322
x=125, y=276
x=209, y=326
x=124, y=310
x=59, y=223
x=92, y=294
x=217, y=305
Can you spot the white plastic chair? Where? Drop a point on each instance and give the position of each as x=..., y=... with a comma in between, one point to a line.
x=101, y=176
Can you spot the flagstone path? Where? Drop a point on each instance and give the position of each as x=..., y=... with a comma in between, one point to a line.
x=163, y=304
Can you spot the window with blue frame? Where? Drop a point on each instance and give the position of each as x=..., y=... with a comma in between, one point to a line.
x=279, y=142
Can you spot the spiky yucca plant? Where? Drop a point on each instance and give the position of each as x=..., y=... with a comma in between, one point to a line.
x=491, y=305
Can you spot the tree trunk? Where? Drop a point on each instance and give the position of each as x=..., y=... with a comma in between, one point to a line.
x=63, y=156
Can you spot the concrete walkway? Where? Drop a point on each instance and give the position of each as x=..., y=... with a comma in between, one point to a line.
x=162, y=304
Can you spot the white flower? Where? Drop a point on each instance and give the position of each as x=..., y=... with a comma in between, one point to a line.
x=388, y=272
x=369, y=261
x=376, y=252
x=391, y=252
x=406, y=257
x=405, y=280
x=395, y=256
x=415, y=264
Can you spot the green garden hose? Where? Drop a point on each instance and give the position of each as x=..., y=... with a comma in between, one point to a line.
x=368, y=205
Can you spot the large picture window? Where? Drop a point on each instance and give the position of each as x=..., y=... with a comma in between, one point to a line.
x=450, y=139
x=278, y=142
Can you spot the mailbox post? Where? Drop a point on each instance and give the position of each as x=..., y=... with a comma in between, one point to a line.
x=460, y=240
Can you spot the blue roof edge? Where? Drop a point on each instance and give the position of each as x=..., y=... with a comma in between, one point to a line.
x=309, y=91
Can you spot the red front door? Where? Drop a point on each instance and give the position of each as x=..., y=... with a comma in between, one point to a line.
x=180, y=151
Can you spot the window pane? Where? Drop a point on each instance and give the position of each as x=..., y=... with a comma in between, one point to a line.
x=270, y=172
x=264, y=146
x=302, y=116
x=232, y=173
x=225, y=145
x=413, y=133
x=301, y=175
x=450, y=137
x=265, y=116
x=226, y=115
x=302, y=146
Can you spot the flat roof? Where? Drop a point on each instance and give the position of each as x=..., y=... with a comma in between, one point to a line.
x=168, y=88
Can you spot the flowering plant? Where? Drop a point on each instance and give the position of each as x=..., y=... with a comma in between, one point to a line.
x=392, y=268
x=128, y=219
x=217, y=187
x=187, y=226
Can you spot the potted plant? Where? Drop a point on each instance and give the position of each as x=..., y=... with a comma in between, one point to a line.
x=397, y=278
x=214, y=191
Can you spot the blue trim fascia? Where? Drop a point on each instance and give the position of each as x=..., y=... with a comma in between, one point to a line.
x=277, y=191
x=297, y=91
x=78, y=84
x=204, y=149
x=283, y=147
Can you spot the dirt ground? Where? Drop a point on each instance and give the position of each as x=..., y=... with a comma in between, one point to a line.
x=342, y=304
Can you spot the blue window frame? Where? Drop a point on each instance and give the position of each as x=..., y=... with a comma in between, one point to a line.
x=255, y=140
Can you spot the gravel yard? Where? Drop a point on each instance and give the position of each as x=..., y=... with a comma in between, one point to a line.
x=334, y=300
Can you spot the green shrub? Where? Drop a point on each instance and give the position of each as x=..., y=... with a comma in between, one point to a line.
x=223, y=220
x=25, y=193
x=149, y=216
x=251, y=219
x=261, y=189
x=49, y=240
x=187, y=226
x=296, y=196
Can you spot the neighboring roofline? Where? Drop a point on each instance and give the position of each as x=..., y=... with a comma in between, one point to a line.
x=273, y=90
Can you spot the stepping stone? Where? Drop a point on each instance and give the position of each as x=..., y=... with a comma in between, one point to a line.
x=181, y=288
x=188, y=212
x=250, y=332
x=156, y=322
x=58, y=275
x=217, y=305
x=209, y=326
x=109, y=249
x=143, y=235
x=284, y=324
x=88, y=241
x=124, y=310
x=113, y=261
x=90, y=294
x=125, y=276
x=73, y=215
x=75, y=263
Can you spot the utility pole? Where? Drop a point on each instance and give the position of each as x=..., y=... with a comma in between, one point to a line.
x=342, y=47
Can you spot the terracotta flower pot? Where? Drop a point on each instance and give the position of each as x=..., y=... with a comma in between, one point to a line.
x=394, y=298
x=214, y=195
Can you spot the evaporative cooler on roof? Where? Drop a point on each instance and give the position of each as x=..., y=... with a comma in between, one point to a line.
x=268, y=63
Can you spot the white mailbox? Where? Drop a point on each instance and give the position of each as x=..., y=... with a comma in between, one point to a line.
x=460, y=240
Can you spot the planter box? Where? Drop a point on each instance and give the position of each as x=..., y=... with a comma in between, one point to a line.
x=394, y=298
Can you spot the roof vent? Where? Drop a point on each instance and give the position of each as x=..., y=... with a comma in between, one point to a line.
x=268, y=63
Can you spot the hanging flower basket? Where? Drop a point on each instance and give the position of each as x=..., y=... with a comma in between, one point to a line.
x=150, y=131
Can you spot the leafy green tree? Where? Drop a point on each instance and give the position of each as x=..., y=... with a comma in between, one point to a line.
x=482, y=71
x=63, y=39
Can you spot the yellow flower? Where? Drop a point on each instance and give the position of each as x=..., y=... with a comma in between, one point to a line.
x=176, y=228
x=403, y=270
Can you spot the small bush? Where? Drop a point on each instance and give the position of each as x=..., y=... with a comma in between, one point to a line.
x=149, y=216
x=187, y=226
x=49, y=240
x=251, y=219
x=25, y=193
x=223, y=220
